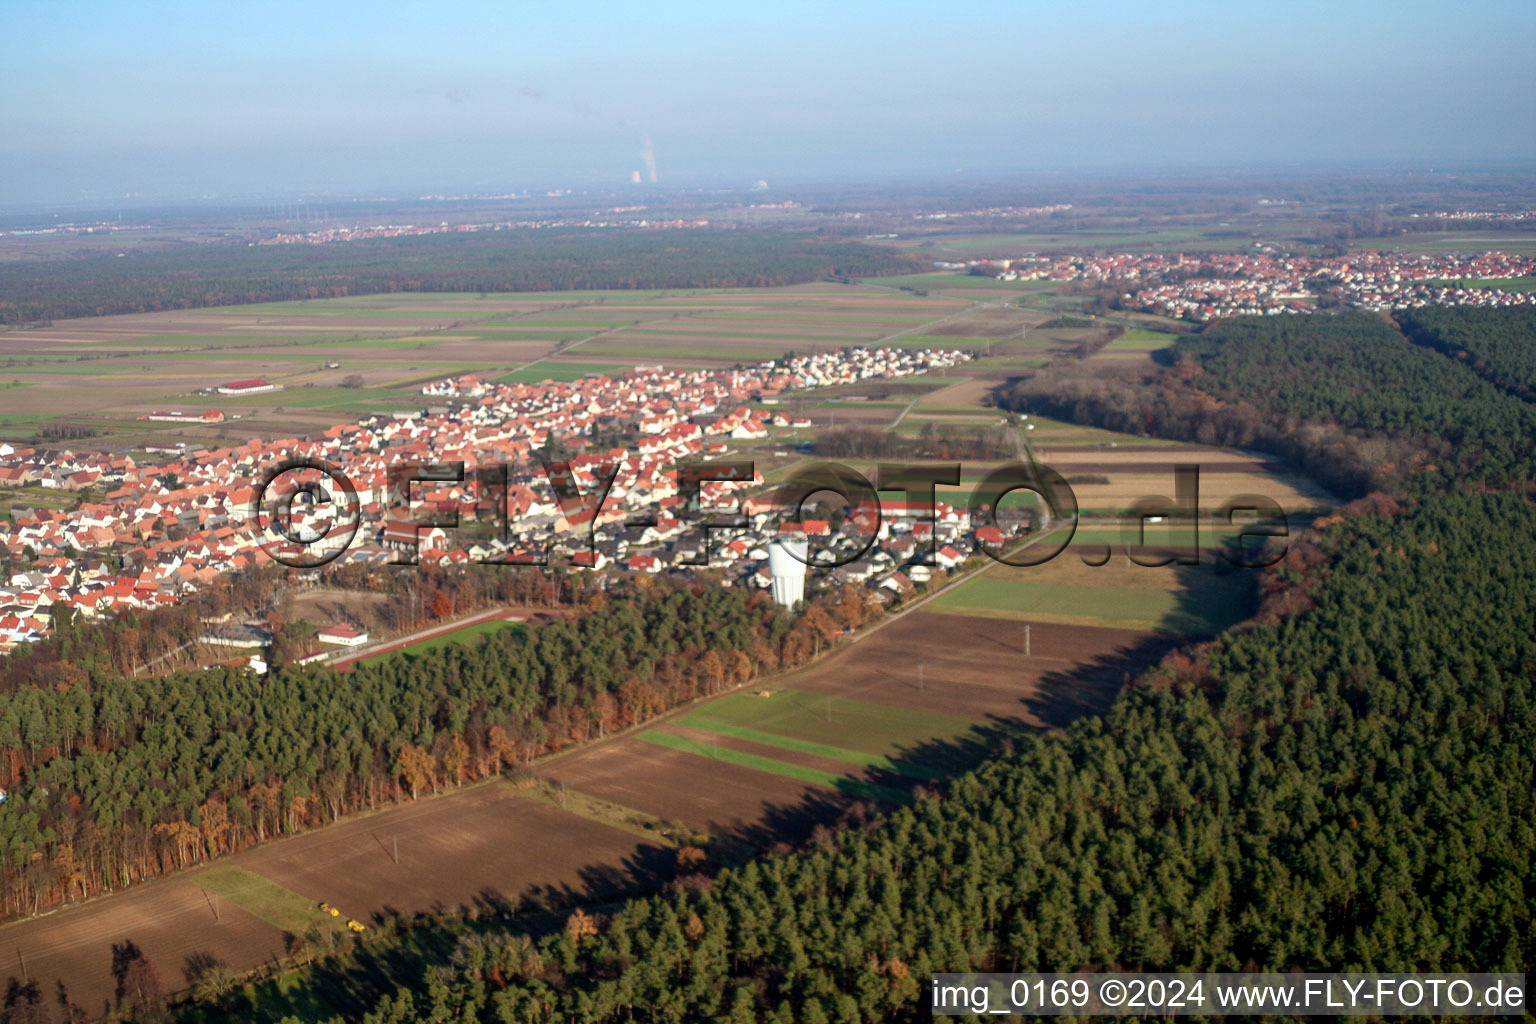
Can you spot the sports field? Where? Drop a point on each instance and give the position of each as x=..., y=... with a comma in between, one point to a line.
x=469, y=635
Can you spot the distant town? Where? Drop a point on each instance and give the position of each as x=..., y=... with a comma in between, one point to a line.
x=1213, y=286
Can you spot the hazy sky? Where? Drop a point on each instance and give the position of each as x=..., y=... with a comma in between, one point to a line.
x=99, y=99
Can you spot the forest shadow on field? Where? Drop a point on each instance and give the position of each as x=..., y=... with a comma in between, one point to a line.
x=1056, y=700
x=351, y=986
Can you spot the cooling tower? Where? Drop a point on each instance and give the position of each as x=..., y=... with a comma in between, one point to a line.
x=786, y=561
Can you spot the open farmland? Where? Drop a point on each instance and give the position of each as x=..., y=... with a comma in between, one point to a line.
x=338, y=359
x=1075, y=588
x=701, y=792
x=929, y=693
x=1135, y=344
x=901, y=706
x=1224, y=474
x=483, y=846
x=1452, y=241
x=1108, y=482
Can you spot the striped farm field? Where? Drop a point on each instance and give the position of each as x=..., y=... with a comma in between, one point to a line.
x=705, y=722
x=775, y=766
x=563, y=371
x=862, y=726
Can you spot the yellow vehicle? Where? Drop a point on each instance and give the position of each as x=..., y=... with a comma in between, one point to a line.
x=354, y=926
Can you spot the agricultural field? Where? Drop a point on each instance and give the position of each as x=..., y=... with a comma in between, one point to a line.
x=171, y=920
x=1075, y=589
x=339, y=359
x=899, y=707
x=974, y=245
x=1132, y=471
x=485, y=845
x=1136, y=343
x=1452, y=241
x=1508, y=284
x=909, y=703
x=1107, y=471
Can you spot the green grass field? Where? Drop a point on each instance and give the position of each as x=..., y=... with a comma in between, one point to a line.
x=705, y=722
x=1194, y=601
x=1507, y=284
x=1452, y=241
x=845, y=723
x=279, y=907
x=1139, y=339
x=563, y=371
x=469, y=634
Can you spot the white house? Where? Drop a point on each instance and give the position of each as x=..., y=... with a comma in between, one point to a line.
x=345, y=636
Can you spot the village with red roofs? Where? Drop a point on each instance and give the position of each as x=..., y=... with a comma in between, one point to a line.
x=161, y=533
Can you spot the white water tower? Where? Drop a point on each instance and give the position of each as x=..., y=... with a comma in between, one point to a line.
x=786, y=561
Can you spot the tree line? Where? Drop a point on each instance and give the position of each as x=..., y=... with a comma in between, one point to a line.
x=132, y=643
x=491, y=261
x=1347, y=398
x=113, y=780
x=1496, y=343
